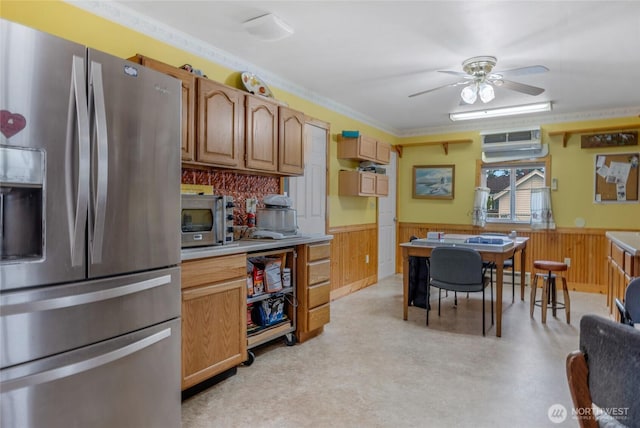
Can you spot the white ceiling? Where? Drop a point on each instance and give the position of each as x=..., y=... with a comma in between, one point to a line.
x=363, y=58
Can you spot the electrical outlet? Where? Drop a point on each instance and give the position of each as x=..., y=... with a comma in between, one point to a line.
x=567, y=261
x=366, y=258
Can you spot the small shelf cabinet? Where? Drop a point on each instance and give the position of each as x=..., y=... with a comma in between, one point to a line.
x=358, y=183
x=364, y=148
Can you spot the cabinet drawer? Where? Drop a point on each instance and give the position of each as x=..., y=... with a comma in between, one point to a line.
x=318, y=272
x=318, y=252
x=617, y=254
x=318, y=294
x=318, y=317
x=214, y=269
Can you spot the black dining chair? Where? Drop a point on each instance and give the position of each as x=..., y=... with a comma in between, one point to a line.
x=630, y=309
x=459, y=269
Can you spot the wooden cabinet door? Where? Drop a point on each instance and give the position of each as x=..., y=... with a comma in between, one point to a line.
x=367, y=183
x=291, y=141
x=382, y=185
x=220, y=133
x=261, y=134
x=368, y=148
x=214, y=330
x=188, y=102
x=383, y=152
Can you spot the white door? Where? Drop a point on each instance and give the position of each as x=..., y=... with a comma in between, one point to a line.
x=387, y=224
x=309, y=193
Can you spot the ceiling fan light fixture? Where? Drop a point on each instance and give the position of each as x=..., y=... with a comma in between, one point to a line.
x=268, y=27
x=505, y=111
x=469, y=94
x=486, y=92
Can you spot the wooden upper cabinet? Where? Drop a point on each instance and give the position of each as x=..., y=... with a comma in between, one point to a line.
x=220, y=120
x=356, y=183
x=364, y=148
x=261, y=134
x=291, y=139
x=367, y=148
x=382, y=185
x=188, y=101
x=383, y=152
x=225, y=127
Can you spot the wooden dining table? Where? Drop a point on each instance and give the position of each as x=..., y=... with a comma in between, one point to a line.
x=489, y=253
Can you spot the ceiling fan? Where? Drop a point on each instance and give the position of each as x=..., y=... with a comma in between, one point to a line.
x=479, y=80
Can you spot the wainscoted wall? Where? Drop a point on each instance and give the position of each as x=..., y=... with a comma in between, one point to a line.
x=240, y=186
x=350, y=248
x=585, y=247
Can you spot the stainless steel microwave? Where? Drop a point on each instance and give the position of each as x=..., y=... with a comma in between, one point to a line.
x=206, y=220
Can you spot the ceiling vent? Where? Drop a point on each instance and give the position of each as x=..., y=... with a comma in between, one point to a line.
x=500, y=146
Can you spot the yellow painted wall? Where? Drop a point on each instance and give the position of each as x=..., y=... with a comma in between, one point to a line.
x=574, y=169
x=572, y=166
x=69, y=22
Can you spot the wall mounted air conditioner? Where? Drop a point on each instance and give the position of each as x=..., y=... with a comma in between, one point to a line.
x=516, y=144
x=508, y=141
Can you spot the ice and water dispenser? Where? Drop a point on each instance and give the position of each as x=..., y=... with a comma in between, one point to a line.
x=22, y=173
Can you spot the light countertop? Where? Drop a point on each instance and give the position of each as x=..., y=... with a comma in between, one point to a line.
x=629, y=241
x=250, y=245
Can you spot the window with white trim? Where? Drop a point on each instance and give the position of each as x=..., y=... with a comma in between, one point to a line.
x=510, y=189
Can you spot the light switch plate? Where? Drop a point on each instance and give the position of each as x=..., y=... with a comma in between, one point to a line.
x=554, y=184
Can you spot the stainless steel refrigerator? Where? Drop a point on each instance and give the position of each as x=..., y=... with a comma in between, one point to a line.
x=90, y=244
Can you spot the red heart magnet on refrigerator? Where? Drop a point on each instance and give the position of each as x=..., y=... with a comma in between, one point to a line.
x=11, y=123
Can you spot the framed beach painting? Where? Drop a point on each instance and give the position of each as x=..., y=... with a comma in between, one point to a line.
x=433, y=181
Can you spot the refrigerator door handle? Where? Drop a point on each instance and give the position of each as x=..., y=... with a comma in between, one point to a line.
x=96, y=95
x=85, y=298
x=78, y=110
x=84, y=365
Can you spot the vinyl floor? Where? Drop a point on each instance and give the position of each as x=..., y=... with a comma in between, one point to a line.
x=372, y=369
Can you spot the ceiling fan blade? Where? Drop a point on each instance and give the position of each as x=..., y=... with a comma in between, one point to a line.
x=455, y=73
x=520, y=87
x=523, y=71
x=439, y=87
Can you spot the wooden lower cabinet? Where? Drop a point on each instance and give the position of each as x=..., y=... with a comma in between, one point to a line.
x=622, y=267
x=214, y=334
x=314, y=273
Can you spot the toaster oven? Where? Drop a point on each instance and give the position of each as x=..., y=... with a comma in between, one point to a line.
x=206, y=220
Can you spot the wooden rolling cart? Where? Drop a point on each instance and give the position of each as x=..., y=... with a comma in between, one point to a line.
x=260, y=334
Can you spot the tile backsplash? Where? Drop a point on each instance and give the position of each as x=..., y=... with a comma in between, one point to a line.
x=240, y=186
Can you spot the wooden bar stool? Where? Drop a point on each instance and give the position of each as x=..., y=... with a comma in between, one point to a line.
x=549, y=299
